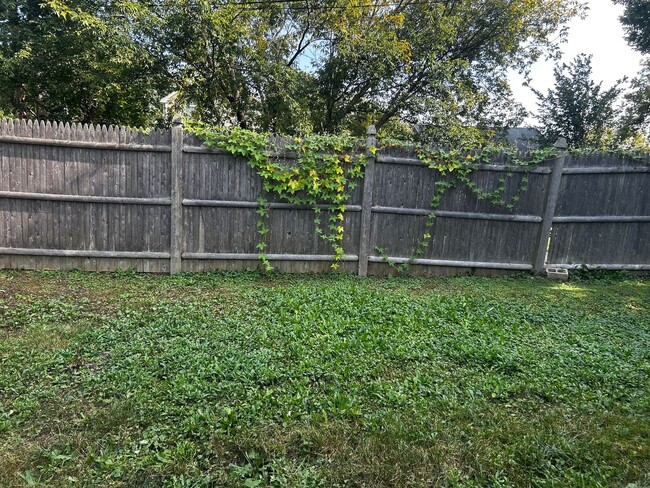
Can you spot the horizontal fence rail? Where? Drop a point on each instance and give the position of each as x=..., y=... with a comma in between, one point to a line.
x=82, y=253
x=456, y=215
x=34, y=141
x=455, y=264
x=55, y=197
x=104, y=198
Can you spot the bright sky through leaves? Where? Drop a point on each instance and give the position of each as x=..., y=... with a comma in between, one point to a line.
x=599, y=34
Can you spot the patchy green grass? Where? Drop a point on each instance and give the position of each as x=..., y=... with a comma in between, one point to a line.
x=246, y=380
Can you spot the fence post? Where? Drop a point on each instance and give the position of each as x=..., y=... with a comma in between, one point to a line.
x=366, y=205
x=552, y=193
x=176, y=242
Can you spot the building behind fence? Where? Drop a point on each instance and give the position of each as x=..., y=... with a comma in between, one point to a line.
x=98, y=198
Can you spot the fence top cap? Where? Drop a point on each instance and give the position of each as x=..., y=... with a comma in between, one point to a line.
x=371, y=131
x=561, y=143
x=177, y=121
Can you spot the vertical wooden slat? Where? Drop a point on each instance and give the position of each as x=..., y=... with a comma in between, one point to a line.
x=366, y=206
x=549, y=205
x=176, y=197
x=120, y=188
x=4, y=185
x=89, y=188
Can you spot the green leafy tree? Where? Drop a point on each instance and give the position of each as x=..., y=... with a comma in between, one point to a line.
x=577, y=108
x=75, y=62
x=342, y=64
x=416, y=60
x=289, y=66
x=634, y=126
x=468, y=116
x=636, y=20
x=230, y=61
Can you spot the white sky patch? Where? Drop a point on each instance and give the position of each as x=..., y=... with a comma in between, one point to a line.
x=599, y=34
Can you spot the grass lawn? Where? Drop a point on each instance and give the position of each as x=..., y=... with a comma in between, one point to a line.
x=245, y=380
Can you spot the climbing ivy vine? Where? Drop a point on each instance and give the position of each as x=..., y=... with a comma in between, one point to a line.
x=455, y=167
x=324, y=171
x=327, y=167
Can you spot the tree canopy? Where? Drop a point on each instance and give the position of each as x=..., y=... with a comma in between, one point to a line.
x=577, y=108
x=635, y=121
x=82, y=64
x=636, y=20
x=278, y=65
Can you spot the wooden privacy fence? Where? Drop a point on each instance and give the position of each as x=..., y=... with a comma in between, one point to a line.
x=98, y=198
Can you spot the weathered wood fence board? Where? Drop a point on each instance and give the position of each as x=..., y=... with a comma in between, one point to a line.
x=602, y=214
x=466, y=229
x=105, y=198
x=80, y=196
